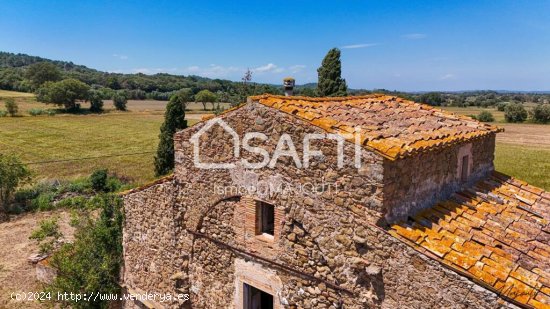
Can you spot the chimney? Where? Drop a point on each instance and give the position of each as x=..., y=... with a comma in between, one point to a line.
x=288, y=85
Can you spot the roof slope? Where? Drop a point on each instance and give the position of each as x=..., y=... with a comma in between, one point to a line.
x=391, y=126
x=496, y=233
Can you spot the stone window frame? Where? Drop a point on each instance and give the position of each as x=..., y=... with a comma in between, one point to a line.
x=257, y=276
x=464, y=151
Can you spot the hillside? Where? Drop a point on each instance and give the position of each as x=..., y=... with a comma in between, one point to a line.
x=138, y=86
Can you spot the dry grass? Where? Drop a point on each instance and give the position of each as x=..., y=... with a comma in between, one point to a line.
x=62, y=137
x=15, y=94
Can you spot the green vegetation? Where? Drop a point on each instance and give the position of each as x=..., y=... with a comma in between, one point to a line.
x=14, y=75
x=46, y=235
x=73, y=261
x=40, y=72
x=11, y=107
x=65, y=93
x=515, y=112
x=13, y=173
x=541, y=113
x=174, y=120
x=331, y=83
x=485, y=116
x=527, y=163
x=120, y=101
x=96, y=101
x=206, y=96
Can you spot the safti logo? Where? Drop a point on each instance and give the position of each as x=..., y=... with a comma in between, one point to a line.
x=285, y=148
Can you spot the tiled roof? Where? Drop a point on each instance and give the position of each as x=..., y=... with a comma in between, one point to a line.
x=497, y=233
x=391, y=126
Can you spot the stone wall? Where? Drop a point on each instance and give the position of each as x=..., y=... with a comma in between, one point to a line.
x=415, y=183
x=193, y=232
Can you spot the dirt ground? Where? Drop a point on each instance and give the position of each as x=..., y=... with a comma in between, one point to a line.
x=16, y=274
x=535, y=135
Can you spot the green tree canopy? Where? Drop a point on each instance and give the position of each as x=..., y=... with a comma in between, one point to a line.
x=515, y=112
x=12, y=173
x=41, y=72
x=206, y=96
x=331, y=83
x=183, y=96
x=65, y=92
x=174, y=120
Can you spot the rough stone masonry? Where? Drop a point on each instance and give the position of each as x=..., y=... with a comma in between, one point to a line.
x=196, y=232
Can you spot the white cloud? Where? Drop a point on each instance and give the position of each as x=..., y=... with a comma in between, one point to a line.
x=212, y=71
x=447, y=76
x=154, y=70
x=268, y=68
x=364, y=45
x=121, y=57
x=415, y=36
x=297, y=68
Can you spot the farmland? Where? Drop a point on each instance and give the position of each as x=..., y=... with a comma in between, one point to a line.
x=522, y=150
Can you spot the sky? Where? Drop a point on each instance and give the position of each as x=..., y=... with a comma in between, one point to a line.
x=396, y=45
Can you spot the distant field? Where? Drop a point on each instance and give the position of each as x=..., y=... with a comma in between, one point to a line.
x=63, y=137
x=522, y=150
x=14, y=94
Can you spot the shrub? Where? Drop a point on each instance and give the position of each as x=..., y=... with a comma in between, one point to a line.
x=12, y=173
x=3, y=113
x=11, y=107
x=50, y=112
x=36, y=111
x=96, y=101
x=120, y=100
x=541, y=113
x=485, y=116
x=43, y=202
x=515, y=112
x=501, y=106
x=97, y=245
x=98, y=180
x=46, y=235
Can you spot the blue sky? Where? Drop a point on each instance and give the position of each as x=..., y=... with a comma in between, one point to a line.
x=403, y=45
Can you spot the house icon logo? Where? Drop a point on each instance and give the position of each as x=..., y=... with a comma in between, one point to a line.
x=195, y=140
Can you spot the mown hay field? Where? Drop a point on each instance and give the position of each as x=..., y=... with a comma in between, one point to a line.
x=523, y=150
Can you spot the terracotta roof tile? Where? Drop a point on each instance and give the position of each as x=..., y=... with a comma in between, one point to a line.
x=391, y=126
x=485, y=233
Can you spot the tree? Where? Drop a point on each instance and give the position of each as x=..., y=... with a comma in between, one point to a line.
x=120, y=100
x=206, y=96
x=174, y=120
x=485, y=116
x=41, y=72
x=541, y=113
x=183, y=96
x=331, y=83
x=97, y=246
x=12, y=173
x=515, y=112
x=11, y=107
x=96, y=101
x=65, y=92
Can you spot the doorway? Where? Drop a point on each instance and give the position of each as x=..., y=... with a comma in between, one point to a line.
x=256, y=299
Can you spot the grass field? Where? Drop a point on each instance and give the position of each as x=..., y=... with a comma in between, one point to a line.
x=523, y=150
x=64, y=137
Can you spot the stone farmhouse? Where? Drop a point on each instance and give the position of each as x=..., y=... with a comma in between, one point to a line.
x=423, y=221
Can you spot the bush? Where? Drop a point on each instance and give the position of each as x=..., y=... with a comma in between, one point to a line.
x=36, y=112
x=96, y=101
x=97, y=245
x=11, y=107
x=485, y=116
x=515, y=112
x=501, y=106
x=98, y=180
x=46, y=235
x=120, y=100
x=12, y=174
x=43, y=202
x=3, y=113
x=541, y=113
x=50, y=112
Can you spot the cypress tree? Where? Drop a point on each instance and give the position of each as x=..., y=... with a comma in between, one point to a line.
x=331, y=83
x=174, y=120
